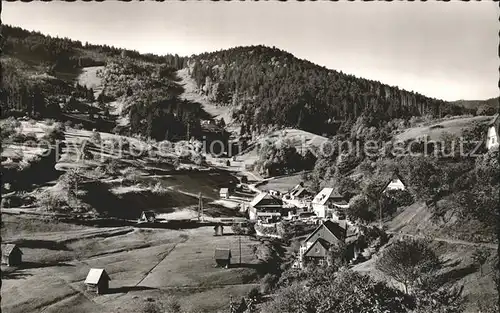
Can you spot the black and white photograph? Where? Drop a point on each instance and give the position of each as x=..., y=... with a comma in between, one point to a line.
x=250, y=156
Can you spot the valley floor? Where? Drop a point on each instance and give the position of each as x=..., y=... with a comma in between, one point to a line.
x=142, y=263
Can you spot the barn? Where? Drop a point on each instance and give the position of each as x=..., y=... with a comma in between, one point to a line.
x=97, y=281
x=148, y=217
x=11, y=254
x=223, y=257
x=224, y=193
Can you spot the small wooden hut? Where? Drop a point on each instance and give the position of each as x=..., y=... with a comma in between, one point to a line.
x=11, y=254
x=223, y=257
x=97, y=281
x=148, y=217
x=224, y=193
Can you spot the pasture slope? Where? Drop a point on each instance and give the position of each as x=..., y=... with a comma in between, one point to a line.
x=455, y=248
x=435, y=129
x=142, y=263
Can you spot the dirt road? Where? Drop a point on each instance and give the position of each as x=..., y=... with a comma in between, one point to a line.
x=447, y=240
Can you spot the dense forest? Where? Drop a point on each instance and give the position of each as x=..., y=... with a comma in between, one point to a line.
x=272, y=87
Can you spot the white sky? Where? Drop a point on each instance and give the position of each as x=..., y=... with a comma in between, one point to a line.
x=443, y=50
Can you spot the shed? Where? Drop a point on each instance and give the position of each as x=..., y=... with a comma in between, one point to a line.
x=97, y=280
x=11, y=254
x=329, y=203
x=492, y=138
x=223, y=257
x=224, y=193
x=148, y=216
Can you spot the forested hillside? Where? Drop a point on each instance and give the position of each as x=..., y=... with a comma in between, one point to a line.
x=272, y=87
x=38, y=71
x=481, y=107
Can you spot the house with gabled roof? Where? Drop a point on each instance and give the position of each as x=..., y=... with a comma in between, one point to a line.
x=224, y=193
x=315, y=247
x=328, y=203
x=298, y=192
x=493, y=136
x=11, y=254
x=97, y=280
x=265, y=207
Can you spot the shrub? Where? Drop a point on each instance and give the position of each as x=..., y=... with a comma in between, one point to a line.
x=237, y=229
x=480, y=256
x=359, y=209
x=18, y=138
x=49, y=122
x=268, y=283
x=54, y=134
x=51, y=202
x=78, y=126
x=95, y=137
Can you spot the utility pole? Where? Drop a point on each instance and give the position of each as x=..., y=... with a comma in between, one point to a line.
x=380, y=213
x=239, y=243
x=200, y=207
x=188, y=126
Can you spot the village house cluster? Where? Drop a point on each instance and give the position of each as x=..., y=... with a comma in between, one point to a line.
x=326, y=210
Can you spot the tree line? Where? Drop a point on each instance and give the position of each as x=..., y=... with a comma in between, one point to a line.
x=272, y=87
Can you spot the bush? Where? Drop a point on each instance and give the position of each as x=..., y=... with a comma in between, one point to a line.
x=18, y=138
x=49, y=122
x=237, y=229
x=359, y=210
x=410, y=262
x=79, y=126
x=95, y=137
x=268, y=283
x=52, y=202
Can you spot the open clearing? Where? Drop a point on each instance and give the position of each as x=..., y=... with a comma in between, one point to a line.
x=191, y=94
x=89, y=78
x=281, y=184
x=142, y=263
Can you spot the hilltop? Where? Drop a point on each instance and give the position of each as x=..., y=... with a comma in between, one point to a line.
x=485, y=107
x=272, y=87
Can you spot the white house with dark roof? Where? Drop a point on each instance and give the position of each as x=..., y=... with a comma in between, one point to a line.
x=493, y=133
x=394, y=183
x=328, y=203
